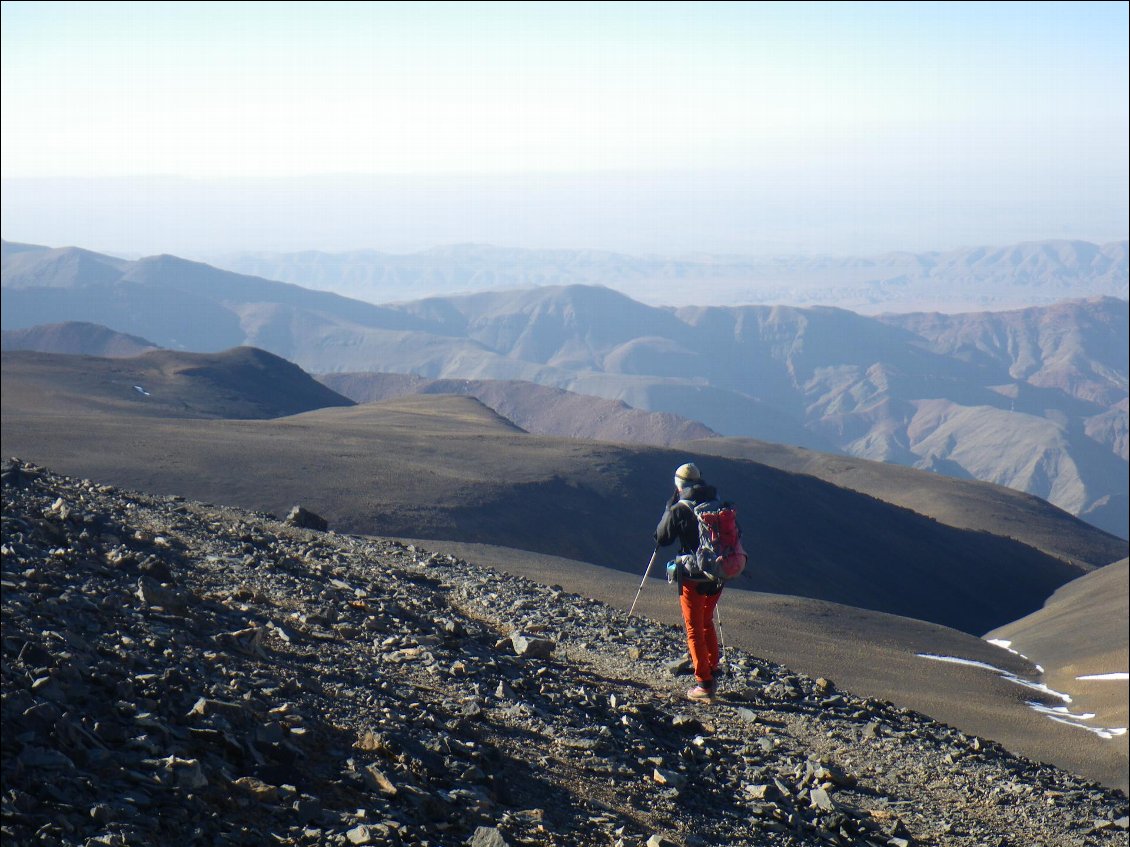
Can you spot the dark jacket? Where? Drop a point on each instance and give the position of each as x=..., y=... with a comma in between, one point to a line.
x=678, y=522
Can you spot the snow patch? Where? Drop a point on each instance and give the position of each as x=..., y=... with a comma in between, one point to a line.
x=1105, y=676
x=1059, y=714
x=142, y=391
x=1036, y=686
x=953, y=660
x=1060, y=711
x=1063, y=716
x=1007, y=645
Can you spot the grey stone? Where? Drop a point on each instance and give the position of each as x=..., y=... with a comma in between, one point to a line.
x=487, y=836
x=305, y=519
x=818, y=798
x=41, y=757
x=151, y=593
x=679, y=667
x=671, y=778
x=102, y=813
x=360, y=834
x=376, y=779
x=532, y=647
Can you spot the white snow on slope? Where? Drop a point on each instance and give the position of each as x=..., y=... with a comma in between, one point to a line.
x=1007, y=645
x=1060, y=714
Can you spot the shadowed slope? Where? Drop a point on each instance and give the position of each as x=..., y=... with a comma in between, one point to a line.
x=961, y=503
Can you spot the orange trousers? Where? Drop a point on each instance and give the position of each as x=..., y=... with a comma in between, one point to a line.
x=702, y=637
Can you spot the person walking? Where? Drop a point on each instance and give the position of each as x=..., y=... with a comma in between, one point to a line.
x=697, y=599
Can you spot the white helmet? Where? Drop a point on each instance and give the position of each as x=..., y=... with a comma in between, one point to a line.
x=686, y=475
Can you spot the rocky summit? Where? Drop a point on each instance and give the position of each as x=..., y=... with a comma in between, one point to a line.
x=181, y=673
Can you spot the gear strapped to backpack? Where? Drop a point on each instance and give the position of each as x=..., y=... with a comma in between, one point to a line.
x=720, y=556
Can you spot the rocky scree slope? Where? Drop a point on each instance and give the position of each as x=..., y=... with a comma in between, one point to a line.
x=176, y=672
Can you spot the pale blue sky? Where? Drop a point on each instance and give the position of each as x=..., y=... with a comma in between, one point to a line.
x=838, y=105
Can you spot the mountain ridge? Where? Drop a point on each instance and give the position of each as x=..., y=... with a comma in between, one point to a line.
x=243, y=382
x=972, y=278
x=76, y=337
x=535, y=408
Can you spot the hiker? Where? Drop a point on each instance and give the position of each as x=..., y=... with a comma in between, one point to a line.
x=697, y=599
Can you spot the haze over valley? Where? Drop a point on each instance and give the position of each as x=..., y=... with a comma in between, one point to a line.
x=975, y=279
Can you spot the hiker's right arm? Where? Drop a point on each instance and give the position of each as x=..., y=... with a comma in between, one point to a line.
x=668, y=530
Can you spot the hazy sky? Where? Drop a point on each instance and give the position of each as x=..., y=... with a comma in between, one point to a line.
x=166, y=127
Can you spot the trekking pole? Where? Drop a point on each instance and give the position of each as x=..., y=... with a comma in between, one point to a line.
x=721, y=642
x=650, y=564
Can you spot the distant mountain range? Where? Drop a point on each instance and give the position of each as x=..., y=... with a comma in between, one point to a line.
x=1035, y=399
x=974, y=279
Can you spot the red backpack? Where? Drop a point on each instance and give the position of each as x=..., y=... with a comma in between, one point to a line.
x=720, y=556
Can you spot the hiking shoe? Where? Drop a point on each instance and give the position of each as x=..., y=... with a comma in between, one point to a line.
x=701, y=694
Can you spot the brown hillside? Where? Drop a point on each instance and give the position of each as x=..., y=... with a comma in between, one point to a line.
x=444, y=467
x=1081, y=631
x=240, y=383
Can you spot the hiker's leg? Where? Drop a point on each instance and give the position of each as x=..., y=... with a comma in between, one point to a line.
x=693, y=608
x=709, y=630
